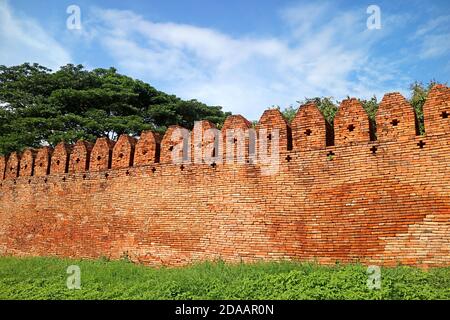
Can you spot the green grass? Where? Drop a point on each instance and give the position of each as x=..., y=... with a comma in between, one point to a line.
x=45, y=278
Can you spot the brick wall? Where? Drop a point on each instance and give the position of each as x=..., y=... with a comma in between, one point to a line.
x=383, y=202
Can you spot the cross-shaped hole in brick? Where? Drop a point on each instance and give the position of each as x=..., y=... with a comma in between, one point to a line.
x=421, y=144
x=308, y=132
x=121, y=155
x=58, y=162
x=182, y=167
x=269, y=136
x=444, y=114
x=234, y=140
x=374, y=150
x=288, y=158
x=99, y=158
x=77, y=160
x=153, y=169
x=351, y=127
x=395, y=122
x=213, y=165
x=330, y=155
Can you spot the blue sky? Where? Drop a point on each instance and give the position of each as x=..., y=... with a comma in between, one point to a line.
x=243, y=55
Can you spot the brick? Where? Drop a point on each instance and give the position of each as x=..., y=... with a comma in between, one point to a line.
x=234, y=131
x=351, y=123
x=395, y=118
x=123, y=152
x=175, y=145
x=271, y=120
x=80, y=156
x=42, y=161
x=101, y=155
x=436, y=111
x=147, y=149
x=12, y=166
x=3, y=161
x=27, y=163
x=60, y=158
x=309, y=128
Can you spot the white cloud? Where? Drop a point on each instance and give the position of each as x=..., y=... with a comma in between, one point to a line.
x=24, y=40
x=248, y=74
x=434, y=37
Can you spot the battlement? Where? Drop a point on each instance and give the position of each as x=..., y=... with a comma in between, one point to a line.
x=342, y=192
x=395, y=121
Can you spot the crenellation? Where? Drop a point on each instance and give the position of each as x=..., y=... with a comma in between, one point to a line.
x=42, y=161
x=123, y=152
x=12, y=166
x=236, y=137
x=80, y=156
x=270, y=121
x=101, y=154
x=175, y=145
x=395, y=118
x=27, y=163
x=147, y=149
x=436, y=110
x=60, y=158
x=351, y=123
x=3, y=160
x=309, y=130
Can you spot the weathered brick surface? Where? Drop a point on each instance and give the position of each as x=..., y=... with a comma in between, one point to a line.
x=436, y=110
x=270, y=121
x=382, y=206
x=101, y=155
x=80, y=156
x=27, y=163
x=395, y=118
x=60, y=158
x=309, y=128
x=147, y=149
x=203, y=142
x=351, y=123
x=170, y=145
x=3, y=160
x=42, y=162
x=235, y=134
x=12, y=166
x=123, y=152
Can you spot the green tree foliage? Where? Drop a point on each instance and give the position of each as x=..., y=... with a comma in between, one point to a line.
x=38, y=106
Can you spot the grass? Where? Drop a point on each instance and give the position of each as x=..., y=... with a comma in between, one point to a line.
x=45, y=278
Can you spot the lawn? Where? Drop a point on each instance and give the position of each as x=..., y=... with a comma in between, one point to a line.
x=45, y=278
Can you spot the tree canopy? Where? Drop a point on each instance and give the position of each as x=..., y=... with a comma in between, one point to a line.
x=39, y=107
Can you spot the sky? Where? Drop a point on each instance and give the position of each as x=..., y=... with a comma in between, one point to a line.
x=246, y=55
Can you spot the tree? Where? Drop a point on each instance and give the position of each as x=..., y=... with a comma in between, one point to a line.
x=39, y=107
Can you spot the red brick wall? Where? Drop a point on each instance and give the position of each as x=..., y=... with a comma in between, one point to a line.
x=379, y=202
